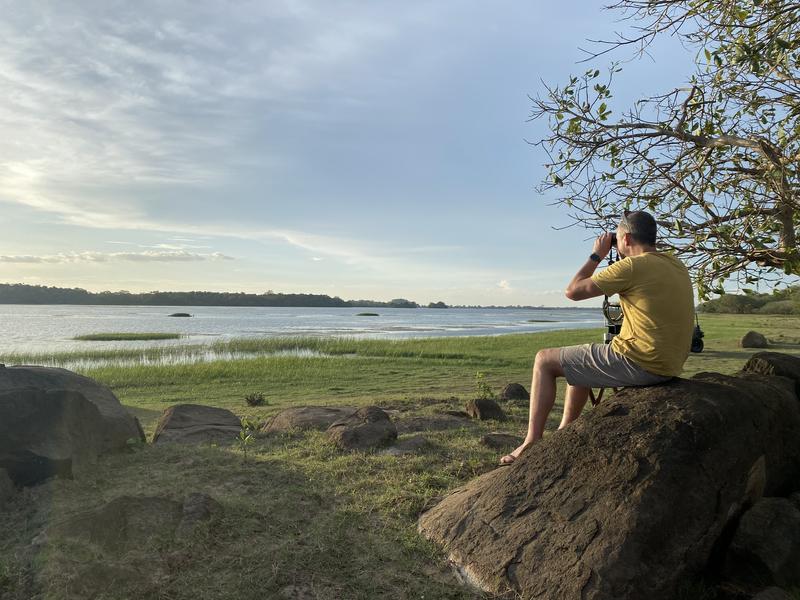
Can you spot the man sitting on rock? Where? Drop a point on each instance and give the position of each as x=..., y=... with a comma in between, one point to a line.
x=656, y=296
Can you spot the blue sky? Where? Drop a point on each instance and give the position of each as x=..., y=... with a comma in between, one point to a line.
x=360, y=149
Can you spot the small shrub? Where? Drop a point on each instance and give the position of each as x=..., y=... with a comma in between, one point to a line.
x=256, y=399
x=245, y=437
x=484, y=390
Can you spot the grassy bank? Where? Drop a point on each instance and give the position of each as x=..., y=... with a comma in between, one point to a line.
x=126, y=337
x=299, y=516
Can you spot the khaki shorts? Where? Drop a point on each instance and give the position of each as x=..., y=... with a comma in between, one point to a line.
x=598, y=366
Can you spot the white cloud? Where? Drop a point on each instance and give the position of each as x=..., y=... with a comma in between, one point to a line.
x=504, y=285
x=96, y=257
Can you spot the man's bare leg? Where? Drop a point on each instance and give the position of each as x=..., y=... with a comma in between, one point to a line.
x=574, y=401
x=546, y=368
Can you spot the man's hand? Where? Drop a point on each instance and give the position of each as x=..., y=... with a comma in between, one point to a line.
x=602, y=245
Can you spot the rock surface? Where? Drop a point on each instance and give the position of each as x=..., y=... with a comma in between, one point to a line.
x=412, y=445
x=440, y=422
x=485, y=408
x=773, y=593
x=7, y=488
x=501, y=441
x=197, y=424
x=629, y=500
x=514, y=391
x=766, y=546
x=307, y=417
x=753, y=339
x=367, y=428
x=55, y=422
x=130, y=522
x=775, y=363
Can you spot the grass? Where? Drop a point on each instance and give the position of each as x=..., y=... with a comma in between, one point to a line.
x=297, y=513
x=112, y=337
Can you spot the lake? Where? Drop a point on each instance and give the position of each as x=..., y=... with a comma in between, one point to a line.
x=29, y=328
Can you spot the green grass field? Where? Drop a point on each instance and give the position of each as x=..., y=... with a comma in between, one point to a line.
x=300, y=516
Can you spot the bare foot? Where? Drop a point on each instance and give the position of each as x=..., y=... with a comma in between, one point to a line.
x=510, y=458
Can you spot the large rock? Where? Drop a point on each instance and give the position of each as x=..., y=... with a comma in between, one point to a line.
x=753, y=339
x=367, y=428
x=55, y=422
x=197, y=424
x=514, y=391
x=775, y=363
x=501, y=441
x=440, y=422
x=414, y=445
x=307, y=417
x=773, y=593
x=7, y=488
x=631, y=499
x=130, y=522
x=485, y=408
x=766, y=546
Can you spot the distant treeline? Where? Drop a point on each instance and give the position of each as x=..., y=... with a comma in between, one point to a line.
x=36, y=294
x=778, y=302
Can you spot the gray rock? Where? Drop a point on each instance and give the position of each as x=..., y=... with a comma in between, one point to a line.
x=7, y=488
x=795, y=499
x=197, y=424
x=55, y=422
x=501, y=441
x=773, y=593
x=775, y=363
x=484, y=408
x=367, y=428
x=197, y=508
x=514, y=391
x=753, y=339
x=630, y=500
x=439, y=422
x=766, y=546
x=412, y=445
x=130, y=522
x=307, y=417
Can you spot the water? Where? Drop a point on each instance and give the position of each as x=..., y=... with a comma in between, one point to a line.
x=50, y=329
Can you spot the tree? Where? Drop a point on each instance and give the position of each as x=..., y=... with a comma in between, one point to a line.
x=715, y=161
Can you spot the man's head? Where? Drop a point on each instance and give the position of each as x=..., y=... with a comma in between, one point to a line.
x=636, y=233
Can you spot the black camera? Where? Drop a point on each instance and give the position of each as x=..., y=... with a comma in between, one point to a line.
x=613, y=240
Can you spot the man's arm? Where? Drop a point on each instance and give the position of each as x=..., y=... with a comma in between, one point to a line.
x=582, y=287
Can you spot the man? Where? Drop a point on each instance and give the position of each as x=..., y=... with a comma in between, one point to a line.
x=655, y=293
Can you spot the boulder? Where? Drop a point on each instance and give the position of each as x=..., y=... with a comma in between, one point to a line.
x=766, y=546
x=439, y=422
x=7, y=488
x=775, y=363
x=773, y=593
x=307, y=417
x=55, y=422
x=367, y=428
x=501, y=441
x=485, y=408
x=514, y=391
x=753, y=339
x=412, y=445
x=130, y=522
x=629, y=501
x=197, y=424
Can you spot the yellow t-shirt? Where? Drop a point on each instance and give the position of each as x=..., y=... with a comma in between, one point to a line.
x=655, y=292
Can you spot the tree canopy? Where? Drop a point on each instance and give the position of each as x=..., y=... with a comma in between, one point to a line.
x=715, y=161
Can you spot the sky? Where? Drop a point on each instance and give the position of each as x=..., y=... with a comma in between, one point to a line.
x=367, y=150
